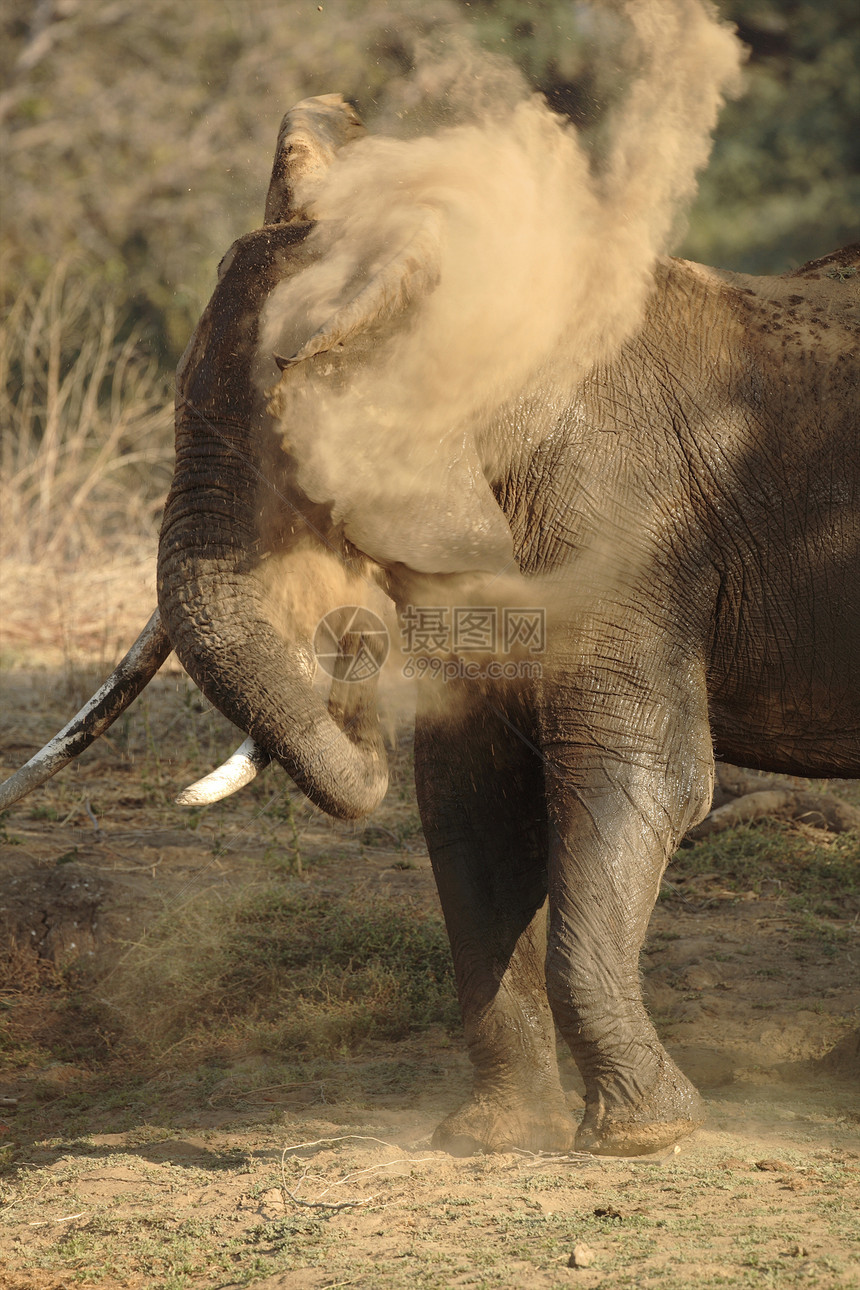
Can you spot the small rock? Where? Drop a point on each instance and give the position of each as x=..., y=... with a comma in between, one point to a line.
x=582, y=1256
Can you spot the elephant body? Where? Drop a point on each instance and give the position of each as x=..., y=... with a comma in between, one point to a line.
x=687, y=512
x=701, y=496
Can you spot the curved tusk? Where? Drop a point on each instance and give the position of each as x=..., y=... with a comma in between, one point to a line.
x=235, y=773
x=122, y=687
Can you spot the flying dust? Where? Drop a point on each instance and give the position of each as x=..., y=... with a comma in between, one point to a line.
x=457, y=270
x=504, y=246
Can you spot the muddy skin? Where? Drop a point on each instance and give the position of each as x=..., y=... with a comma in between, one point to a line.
x=688, y=516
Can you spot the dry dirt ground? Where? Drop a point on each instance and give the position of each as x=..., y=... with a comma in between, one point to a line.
x=209, y=1160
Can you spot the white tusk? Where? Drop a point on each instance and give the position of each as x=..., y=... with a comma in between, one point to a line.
x=235, y=773
x=123, y=685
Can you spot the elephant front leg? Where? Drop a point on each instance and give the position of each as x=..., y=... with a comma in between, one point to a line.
x=480, y=790
x=516, y=1099
x=610, y=838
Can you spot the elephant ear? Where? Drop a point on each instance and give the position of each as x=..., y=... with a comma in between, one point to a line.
x=446, y=521
x=411, y=272
x=311, y=135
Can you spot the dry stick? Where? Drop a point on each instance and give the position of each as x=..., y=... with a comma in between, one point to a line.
x=333, y=1206
x=344, y=1204
x=46, y=1222
x=371, y=1169
x=558, y=1157
x=343, y=1137
x=777, y=798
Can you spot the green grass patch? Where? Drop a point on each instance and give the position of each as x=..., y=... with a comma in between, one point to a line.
x=285, y=971
x=772, y=858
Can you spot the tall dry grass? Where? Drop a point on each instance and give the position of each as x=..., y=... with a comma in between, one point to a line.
x=87, y=427
x=86, y=446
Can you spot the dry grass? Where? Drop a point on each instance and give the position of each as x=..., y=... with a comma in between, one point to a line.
x=86, y=452
x=272, y=967
x=24, y=972
x=85, y=461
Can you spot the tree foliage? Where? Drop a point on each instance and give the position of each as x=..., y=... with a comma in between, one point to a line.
x=783, y=185
x=138, y=136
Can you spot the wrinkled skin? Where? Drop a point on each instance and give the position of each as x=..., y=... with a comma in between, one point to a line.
x=717, y=459
x=734, y=459
x=690, y=514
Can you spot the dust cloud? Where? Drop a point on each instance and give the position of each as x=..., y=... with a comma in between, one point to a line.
x=455, y=270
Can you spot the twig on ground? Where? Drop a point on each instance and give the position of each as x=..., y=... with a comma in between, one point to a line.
x=343, y=1137
x=46, y=1222
x=344, y=1204
x=386, y=1164
x=320, y=1204
x=558, y=1157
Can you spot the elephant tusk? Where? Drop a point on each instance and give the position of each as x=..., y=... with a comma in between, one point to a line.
x=233, y=774
x=124, y=684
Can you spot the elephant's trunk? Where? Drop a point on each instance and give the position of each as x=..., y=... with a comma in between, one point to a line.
x=215, y=608
x=211, y=592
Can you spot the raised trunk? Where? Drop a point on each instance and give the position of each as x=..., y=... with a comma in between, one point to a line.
x=212, y=600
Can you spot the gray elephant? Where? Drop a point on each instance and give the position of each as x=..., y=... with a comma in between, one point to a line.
x=689, y=511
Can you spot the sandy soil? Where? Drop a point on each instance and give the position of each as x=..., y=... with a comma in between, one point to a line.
x=238, y=1175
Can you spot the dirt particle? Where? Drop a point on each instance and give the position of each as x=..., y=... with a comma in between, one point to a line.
x=608, y=1211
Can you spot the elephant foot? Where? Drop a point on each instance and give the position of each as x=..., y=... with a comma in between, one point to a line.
x=670, y=1111
x=489, y=1124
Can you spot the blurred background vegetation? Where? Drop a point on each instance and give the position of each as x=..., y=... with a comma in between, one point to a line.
x=136, y=140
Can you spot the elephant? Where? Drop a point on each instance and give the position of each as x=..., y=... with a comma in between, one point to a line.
x=689, y=511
